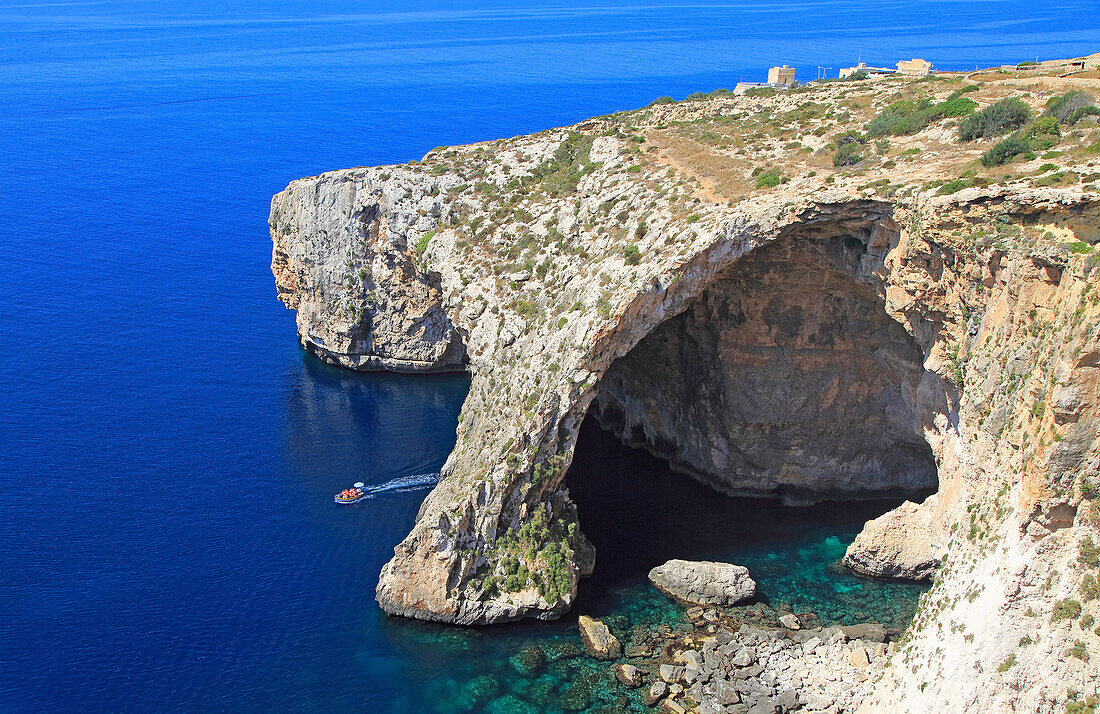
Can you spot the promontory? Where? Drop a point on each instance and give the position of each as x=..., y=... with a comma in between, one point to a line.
x=844, y=290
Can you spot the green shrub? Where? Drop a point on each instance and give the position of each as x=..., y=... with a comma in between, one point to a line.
x=1041, y=134
x=422, y=244
x=956, y=107
x=1078, y=650
x=1008, y=664
x=560, y=174
x=769, y=178
x=1001, y=118
x=1071, y=107
x=632, y=255
x=1089, y=555
x=904, y=117
x=953, y=187
x=848, y=155
x=1005, y=151
x=1076, y=706
x=1065, y=610
x=661, y=100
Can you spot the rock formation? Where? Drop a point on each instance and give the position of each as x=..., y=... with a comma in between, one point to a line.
x=702, y=583
x=904, y=544
x=807, y=331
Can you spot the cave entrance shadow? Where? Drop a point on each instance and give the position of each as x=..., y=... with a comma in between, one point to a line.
x=638, y=513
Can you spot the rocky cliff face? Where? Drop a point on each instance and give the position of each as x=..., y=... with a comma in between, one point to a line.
x=341, y=259
x=822, y=337
x=785, y=377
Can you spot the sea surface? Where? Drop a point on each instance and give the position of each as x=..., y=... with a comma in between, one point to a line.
x=168, y=540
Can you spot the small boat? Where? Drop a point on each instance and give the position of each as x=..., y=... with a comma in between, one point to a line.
x=352, y=495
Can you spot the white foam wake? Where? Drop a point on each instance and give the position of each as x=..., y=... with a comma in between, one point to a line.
x=404, y=484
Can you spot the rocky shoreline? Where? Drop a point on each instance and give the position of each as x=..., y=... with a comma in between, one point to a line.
x=743, y=662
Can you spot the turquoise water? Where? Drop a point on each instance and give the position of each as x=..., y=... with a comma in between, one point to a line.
x=639, y=514
x=168, y=540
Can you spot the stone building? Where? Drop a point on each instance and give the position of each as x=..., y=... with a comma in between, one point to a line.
x=914, y=68
x=781, y=76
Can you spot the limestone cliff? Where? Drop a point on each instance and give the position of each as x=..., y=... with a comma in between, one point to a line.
x=703, y=277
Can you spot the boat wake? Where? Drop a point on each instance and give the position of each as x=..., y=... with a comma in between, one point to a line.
x=403, y=484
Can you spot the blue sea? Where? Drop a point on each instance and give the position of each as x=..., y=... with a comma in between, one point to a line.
x=168, y=540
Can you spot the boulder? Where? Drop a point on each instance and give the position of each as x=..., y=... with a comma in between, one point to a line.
x=727, y=693
x=671, y=673
x=703, y=583
x=858, y=657
x=743, y=657
x=656, y=692
x=628, y=674
x=868, y=631
x=598, y=640
x=791, y=622
x=903, y=543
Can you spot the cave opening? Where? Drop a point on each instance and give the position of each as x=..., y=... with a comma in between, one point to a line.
x=763, y=426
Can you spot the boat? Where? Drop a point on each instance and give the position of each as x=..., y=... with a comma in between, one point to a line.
x=352, y=495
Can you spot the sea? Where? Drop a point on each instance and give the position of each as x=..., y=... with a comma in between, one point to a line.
x=168, y=537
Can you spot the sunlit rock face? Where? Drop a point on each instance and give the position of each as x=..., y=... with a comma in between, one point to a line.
x=786, y=377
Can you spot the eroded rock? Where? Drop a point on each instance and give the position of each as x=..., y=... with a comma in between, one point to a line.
x=598, y=640
x=703, y=583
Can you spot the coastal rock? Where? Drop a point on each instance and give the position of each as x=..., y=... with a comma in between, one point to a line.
x=791, y=622
x=703, y=583
x=340, y=260
x=657, y=691
x=903, y=543
x=598, y=640
x=628, y=674
x=671, y=673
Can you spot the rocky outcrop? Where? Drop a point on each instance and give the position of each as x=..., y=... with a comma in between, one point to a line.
x=838, y=335
x=904, y=543
x=703, y=583
x=341, y=259
x=598, y=640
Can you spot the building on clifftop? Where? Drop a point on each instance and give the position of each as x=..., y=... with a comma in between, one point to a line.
x=914, y=68
x=781, y=76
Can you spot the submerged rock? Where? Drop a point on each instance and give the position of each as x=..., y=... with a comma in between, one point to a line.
x=703, y=583
x=598, y=640
x=529, y=661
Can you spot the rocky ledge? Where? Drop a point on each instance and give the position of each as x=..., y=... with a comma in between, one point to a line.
x=778, y=303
